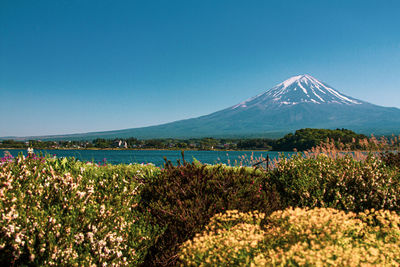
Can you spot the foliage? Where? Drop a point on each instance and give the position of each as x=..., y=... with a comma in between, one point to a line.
x=391, y=159
x=301, y=140
x=182, y=199
x=305, y=139
x=296, y=237
x=336, y=149
x=342, y=183
x=256, y=143
x=230, y=239
x=12, y=144
x=65, y=212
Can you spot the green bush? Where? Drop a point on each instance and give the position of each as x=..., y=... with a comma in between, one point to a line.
x=67, y=213
x=182, y=199
x=343, y=183
x=391, y=159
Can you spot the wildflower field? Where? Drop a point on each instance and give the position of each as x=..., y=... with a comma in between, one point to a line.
x=319, y=209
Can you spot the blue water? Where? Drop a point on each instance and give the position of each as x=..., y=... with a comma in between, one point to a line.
x=156, y=156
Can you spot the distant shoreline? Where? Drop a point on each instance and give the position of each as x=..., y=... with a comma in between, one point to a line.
x=144, y=149
x=163, y=149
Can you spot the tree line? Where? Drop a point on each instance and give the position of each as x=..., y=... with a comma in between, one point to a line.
x=302, y=139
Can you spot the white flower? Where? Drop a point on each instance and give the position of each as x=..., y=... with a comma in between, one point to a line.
x=81, y=194
x=79, y=238
x=18, y=239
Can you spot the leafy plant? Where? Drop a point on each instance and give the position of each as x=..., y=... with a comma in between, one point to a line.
x=183, y=198
x=296, y=237
x=391, y=158
x=342, y=183
x=65, y=212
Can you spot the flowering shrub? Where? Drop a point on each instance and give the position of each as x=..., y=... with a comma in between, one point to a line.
x=324, y=236
x=311, y=237
x=230, y=239
x=391, y=159
x=65, y=212
x=342, y=183
x=182, y=199
x=7, y=158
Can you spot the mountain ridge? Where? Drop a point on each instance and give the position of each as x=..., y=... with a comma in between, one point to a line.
x=301, y=101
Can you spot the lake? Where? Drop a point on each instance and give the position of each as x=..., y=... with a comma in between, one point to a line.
x=155, y=156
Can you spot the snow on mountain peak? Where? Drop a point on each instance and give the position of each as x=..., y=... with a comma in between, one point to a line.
x=305, y=78
x=299, y=89
x=290, y=81
x=311, y=90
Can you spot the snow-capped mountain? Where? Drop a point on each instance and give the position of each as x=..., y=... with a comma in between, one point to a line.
x=299, y=102
x=296, y=90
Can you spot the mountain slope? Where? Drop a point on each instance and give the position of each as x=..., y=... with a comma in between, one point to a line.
x=299, y=102
x=303, y=101
x=296, y=90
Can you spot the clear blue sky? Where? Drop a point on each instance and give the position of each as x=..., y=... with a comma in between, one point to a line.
x=78, y=66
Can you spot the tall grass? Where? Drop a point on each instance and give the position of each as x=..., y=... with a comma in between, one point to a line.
x=358, y=149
